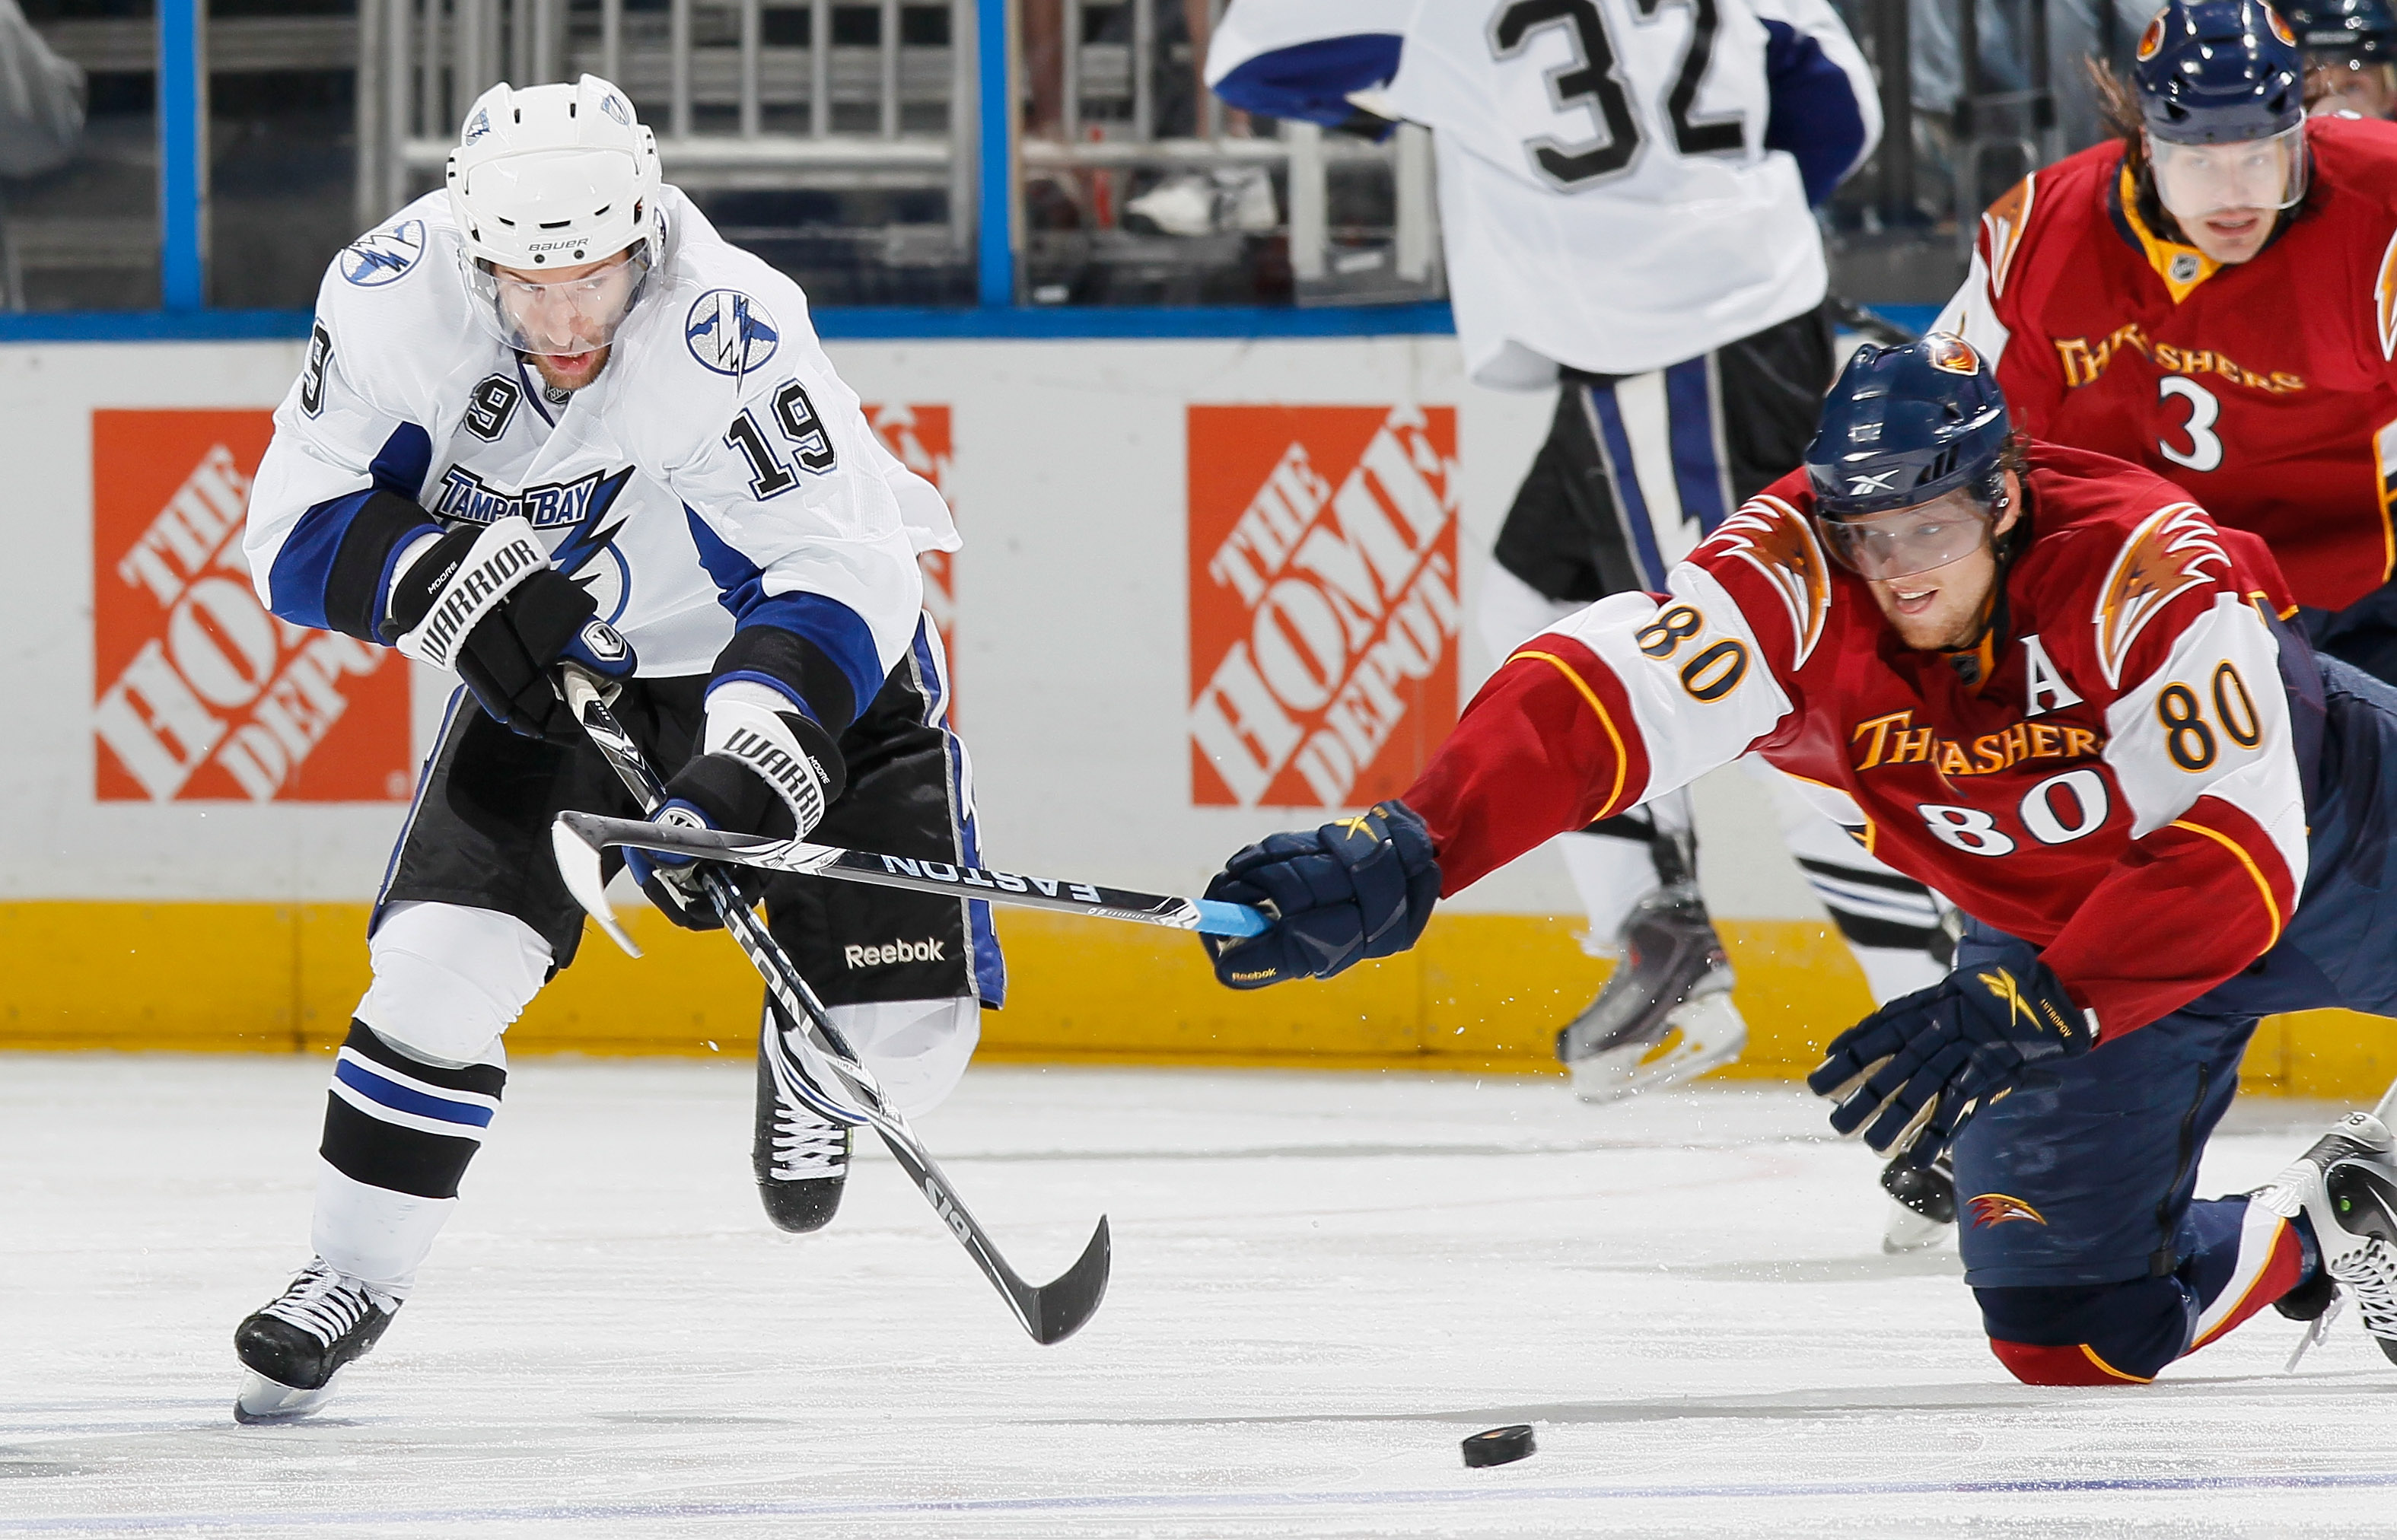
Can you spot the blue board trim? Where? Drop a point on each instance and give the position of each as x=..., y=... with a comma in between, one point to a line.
x=854, y=323
x=183, y=265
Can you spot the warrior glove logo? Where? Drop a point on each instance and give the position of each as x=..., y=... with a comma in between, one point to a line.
x=729, y=333
x=384, y=256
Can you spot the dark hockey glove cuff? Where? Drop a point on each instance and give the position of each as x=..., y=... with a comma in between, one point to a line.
x=1356, y=888
x=1911, y=1074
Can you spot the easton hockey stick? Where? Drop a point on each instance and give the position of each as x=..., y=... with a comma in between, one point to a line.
x=1210, y=917
x=1051, y=1311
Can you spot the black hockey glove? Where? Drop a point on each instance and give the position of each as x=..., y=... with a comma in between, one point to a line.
x=486, y=602
x=761, y=772
x=1356, y=888
x=1920, y=1066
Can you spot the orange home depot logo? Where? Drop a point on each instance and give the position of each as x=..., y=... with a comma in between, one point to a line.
x=1323, y=609
x=203, y=696
x=919, y=436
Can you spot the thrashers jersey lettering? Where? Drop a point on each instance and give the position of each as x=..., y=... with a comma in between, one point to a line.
x=2125, y=768
x=2264, y=388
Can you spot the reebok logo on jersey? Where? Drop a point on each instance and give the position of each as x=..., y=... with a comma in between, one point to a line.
x=892, y=952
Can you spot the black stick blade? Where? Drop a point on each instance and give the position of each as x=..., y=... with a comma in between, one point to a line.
x=1058, y=1309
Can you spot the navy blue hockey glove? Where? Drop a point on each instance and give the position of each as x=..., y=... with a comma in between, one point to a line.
x=1356, y=888
x=1917, y=1068
x=485, y=601
x=762, y=771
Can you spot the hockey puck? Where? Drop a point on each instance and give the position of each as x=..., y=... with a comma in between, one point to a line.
x=1500, y=1446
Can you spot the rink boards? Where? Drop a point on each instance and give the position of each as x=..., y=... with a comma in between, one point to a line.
x=1209, y=589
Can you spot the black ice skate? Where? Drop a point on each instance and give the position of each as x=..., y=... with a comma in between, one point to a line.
x=2347, y=1186
x=1922, y=1205
x=294, y=1347
x=1666, y=1014
x=801, y=1159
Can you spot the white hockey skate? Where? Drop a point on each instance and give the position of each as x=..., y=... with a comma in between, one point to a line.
x=293, y=1349
x=1666, y=1014
x=2347, y=1186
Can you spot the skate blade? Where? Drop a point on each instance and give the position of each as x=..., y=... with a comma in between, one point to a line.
x=1907, y=1231
x=263, y=1402
x=1703, y=1033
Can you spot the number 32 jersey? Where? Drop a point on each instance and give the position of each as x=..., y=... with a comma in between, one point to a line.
x=2111, y=776
x=717, y=473
x=1623, y=184
x=2268, y=389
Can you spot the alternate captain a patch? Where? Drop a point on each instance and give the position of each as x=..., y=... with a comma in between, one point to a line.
x=1997, y=1207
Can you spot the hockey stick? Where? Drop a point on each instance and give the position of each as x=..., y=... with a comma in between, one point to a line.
x=1051, y=1311
x=593, y=833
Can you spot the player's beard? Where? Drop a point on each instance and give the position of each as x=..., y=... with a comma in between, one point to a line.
x=571, y=372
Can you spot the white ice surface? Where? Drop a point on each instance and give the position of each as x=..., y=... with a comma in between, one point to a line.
x=1322, y=1282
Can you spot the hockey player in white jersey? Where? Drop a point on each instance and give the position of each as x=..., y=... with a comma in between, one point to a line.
x=1625, y=198
x=548, y=414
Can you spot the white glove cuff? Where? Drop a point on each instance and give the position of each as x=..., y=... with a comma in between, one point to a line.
x=757, y=735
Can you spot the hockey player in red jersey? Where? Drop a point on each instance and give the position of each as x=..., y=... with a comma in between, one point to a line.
x=2215, y=297
x=2046, y=683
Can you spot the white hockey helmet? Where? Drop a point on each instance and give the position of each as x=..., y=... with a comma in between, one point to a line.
x=555, y=177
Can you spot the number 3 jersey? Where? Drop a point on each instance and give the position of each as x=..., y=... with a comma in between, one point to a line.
x=2267, y=389
x=2110, y=775
x=1623, y=184
x=716, y=474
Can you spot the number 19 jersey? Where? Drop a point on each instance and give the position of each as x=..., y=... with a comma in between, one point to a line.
x=2267, y=389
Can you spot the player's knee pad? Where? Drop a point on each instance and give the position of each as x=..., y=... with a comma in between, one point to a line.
x=448, y=980
x=917, y=1050
x=2107, y=1333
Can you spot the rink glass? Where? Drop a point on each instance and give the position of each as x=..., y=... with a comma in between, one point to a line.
x=2193, y=181
x=1900, y=544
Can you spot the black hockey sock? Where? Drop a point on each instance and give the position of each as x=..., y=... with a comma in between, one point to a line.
x=394, y=1122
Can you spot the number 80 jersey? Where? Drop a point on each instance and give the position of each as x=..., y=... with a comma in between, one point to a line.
x=2267, y=389
x=2111, y=776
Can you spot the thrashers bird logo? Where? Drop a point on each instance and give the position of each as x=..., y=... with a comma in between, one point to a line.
x=1951, y=353
x=1777, y=541
x=1997, y=1207
x=2168, y=554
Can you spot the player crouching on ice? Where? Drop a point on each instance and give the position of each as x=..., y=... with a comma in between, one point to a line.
x=2042, y=682
x=549, y=401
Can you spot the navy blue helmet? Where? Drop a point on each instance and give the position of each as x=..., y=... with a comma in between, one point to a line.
x=2218, y=72
x=2343, y=29
x=1904, y=426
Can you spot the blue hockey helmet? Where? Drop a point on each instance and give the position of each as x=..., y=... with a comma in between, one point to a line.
x=2343, y=29
x=2219, y=72
x=1904, y=428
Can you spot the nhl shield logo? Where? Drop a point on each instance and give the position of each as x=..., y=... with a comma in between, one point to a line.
x=729, y=333
x=383, y=256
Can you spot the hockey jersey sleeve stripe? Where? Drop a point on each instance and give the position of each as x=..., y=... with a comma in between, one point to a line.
x=1613, y=804
x=334, y=568
x=1309, y=80
x=1814, y=114
x=2263, y=886
x=1538, y=752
